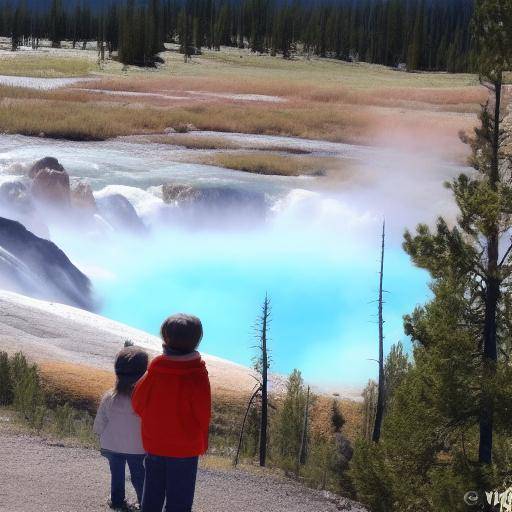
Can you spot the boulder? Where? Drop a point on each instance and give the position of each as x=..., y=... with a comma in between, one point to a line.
x=210, y=205
x=213, y=197
x=38, y=268
x=82, y=197
x=16, y=204
x=120, y=213
x=16, y=196
x=50, y=182
x=48, y=162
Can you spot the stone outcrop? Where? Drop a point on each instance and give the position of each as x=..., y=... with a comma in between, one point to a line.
x=120, y=213
x=37, y=267
x=50, y=182
x=82, y=197
x=16, y=196
x=215, y=197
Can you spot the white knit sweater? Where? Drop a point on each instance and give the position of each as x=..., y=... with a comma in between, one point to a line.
x=117, y=425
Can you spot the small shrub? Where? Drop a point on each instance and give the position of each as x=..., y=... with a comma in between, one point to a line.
x=371, y=477
x=6, y=387
x=28, y=397
x=20, y=386
x=64, y=420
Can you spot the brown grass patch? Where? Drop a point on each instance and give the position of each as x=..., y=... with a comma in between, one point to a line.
x=191, y=142
x=90, y=121
x=322, y=411
x=83, y=386
x=271, y=164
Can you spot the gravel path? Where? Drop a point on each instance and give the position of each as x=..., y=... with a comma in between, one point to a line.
x=36, y=474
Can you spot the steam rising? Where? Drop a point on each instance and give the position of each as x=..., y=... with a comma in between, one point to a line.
x=314, y=249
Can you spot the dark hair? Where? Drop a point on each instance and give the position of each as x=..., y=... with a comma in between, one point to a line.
x=182, y=332
x=130, y=365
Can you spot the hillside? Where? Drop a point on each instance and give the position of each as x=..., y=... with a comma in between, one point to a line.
x=62, y=336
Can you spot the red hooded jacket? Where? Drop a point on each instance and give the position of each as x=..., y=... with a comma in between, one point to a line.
x=173, y=400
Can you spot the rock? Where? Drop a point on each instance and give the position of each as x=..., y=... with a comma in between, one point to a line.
x=16, y=204
x=15, y=195
x=82, y=197
x=48, y=162
x=50, y=182
x=172, y=192
x=211, y=204
x=120, y=213
x=38, y=268
x=215, y=197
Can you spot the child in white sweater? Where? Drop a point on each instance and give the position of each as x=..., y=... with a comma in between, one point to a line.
x=119, y=427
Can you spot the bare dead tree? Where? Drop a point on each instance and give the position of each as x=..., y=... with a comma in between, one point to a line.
x=381, y=385
x=242, y=429
x=264, y=365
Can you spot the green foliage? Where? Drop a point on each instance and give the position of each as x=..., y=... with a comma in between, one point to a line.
x=320, y=469
x=64, y=420
x=6, y=385
x=369, y=408
x=21, y=388
x=251, y=434
x=396, y=366
x=431, y=35
x=492, y=30
x=370, y=475
x=447, y=427
x=28, y=397
x=290, y=422
x=140, y=33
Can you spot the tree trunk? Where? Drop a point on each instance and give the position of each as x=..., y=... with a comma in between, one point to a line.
x=490, y=351
x=264, y=385
x=381, y=391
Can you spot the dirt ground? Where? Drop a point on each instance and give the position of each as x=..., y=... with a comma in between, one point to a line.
x=49, y=476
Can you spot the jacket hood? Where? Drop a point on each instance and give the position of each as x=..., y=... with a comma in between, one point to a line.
x=178, y=365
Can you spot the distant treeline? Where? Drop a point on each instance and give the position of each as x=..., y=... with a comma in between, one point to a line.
x=417, y=34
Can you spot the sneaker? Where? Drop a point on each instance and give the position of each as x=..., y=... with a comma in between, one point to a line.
x=123, y=507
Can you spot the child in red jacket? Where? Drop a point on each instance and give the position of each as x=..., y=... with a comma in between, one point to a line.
x=174, y=402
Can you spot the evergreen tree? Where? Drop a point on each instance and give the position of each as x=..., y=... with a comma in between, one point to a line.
x=290, y=421
x=56, y=23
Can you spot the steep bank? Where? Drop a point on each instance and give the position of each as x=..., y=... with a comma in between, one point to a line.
x=56, y=333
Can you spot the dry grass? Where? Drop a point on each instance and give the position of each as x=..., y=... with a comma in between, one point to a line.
x=325, y=99
x=271, y=164
x=83, y=386
x=191, y=142
x=199, y=142
x=43, y=66
x=321, y=416
x=89, y=121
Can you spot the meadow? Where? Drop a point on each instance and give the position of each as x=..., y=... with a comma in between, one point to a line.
x=236, y=91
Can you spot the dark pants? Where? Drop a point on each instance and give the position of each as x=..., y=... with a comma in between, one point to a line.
x=117, y=463
x=169, y=479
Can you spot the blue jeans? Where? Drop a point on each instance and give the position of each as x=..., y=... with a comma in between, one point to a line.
x=171, y=480
x=117, y=463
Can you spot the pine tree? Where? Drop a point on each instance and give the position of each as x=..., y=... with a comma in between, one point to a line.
x=56, y=23
x=290, y=422
x=6, y=383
